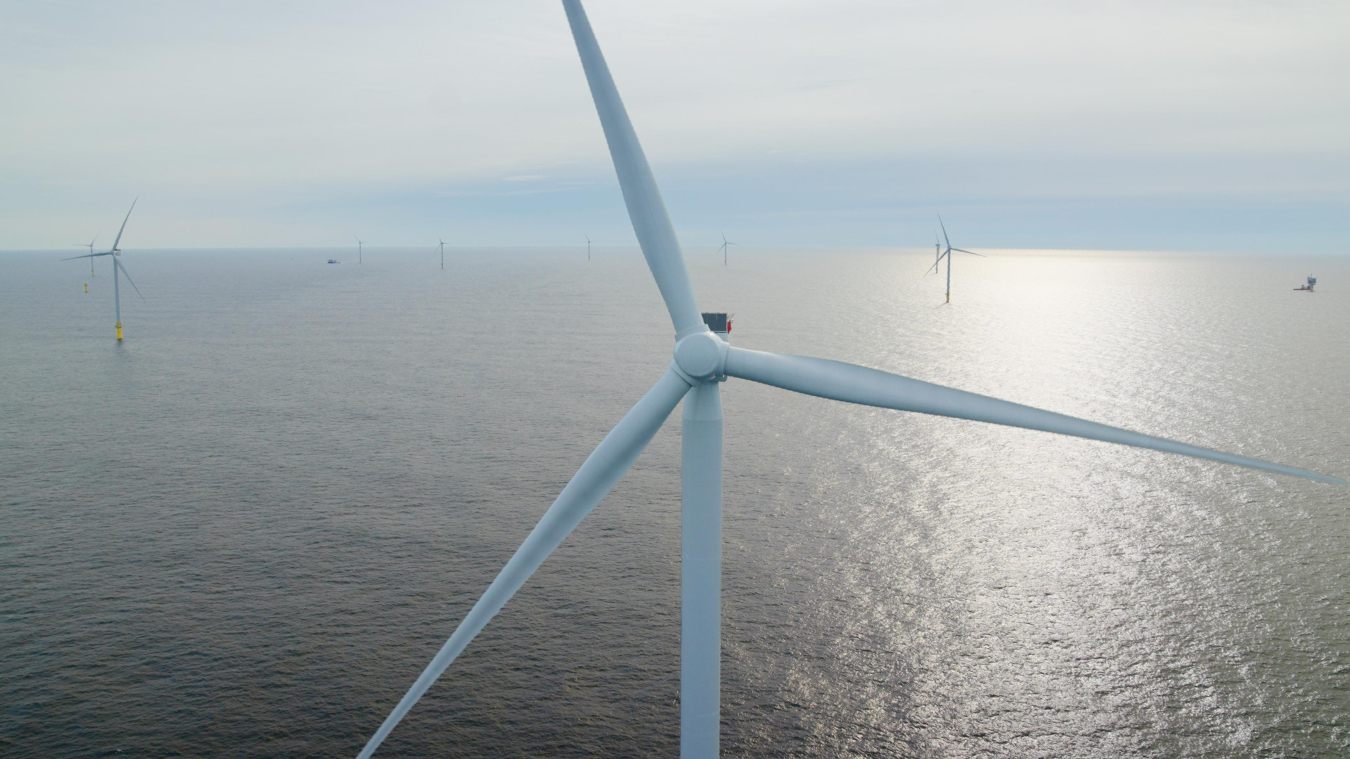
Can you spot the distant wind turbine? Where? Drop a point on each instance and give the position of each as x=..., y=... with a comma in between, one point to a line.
x=725, y=245
x=701, y=361
x=442, y=252
x=359, y=243
x=948, y=255
x=90, y=246
x=114, y=253
x=588, y=247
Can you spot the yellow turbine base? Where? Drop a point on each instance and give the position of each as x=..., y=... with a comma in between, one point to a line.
x=119, y=332
x=86, y=287
x=949, y=297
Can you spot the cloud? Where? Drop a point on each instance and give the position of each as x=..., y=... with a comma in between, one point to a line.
x=247, y=110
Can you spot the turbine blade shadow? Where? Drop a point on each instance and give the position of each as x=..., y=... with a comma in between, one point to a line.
x=871, y=387
x=603, y=468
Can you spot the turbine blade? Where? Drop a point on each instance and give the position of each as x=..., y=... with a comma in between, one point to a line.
x=647, y=211
x=127, y=274
x=971, y=252
x=611, y=459
x=938, y=262
x=870, y=387
x=944, y=231
x=124, y=225
x=87, y=255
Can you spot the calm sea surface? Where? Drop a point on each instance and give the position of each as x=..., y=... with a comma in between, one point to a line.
x=244, y=531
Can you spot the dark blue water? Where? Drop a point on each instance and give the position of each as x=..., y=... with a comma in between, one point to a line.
x=246, y=529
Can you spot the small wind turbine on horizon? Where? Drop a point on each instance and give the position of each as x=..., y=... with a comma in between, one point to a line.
x=588, y=247
x=359, y=243
x=442, y=252
x=115, y=252
x=948, y=254
x=725, y=245
x=90, y=246
x=702, y=361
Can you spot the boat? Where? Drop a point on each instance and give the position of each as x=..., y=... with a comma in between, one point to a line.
x=334, y=261
x=1312, y=282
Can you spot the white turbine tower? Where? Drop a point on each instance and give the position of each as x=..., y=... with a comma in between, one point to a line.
x=359, y=243
x=588, y=247
x=701, y=360
x=725, y=246
x=948, y=254
x=442, y=252
x=114, y=252
x=90, y=246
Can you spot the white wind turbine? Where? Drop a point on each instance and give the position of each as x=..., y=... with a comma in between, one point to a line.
x=588, y=247
x=442, y=252
x=359, y=243
x=90, y=246
x=725, y=246
x=701, y=361
x=948, y=254
x=114, y=253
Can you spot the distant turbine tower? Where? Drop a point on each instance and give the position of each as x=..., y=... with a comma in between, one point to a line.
x=948, y=255
x=359, y=243
x=702, y=360
x=937, y=250
x=442, y=252
x=588, y=247
x=725, y=245
x=90, y=246
x=114, y=253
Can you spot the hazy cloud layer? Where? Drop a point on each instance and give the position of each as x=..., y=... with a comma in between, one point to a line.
x=1051, y=123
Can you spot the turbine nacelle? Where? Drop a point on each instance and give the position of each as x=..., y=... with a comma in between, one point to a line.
x=700, y=357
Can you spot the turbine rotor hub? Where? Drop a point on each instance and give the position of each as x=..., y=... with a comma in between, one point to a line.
x=700, y=357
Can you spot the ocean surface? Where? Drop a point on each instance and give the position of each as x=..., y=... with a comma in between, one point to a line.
x=246, y=529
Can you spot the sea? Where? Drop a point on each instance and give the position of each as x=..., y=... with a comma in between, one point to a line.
x=244, y=530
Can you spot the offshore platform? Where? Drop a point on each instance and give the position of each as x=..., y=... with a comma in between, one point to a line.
x=1312, y=282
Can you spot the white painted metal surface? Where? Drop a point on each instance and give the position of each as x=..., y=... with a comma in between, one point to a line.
x=701, y=572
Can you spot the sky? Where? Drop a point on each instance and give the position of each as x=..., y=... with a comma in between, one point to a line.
x=1206, y=125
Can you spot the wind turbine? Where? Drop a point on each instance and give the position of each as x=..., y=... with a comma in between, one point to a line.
x=442, y=253
x=114, y=252
x=701, y=361
x=588, y=247
x=948, y=254
x=90, y=246
x=725, y=245
x=359, y=243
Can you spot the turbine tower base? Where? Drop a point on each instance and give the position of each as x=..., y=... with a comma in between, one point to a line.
x=119, y=332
